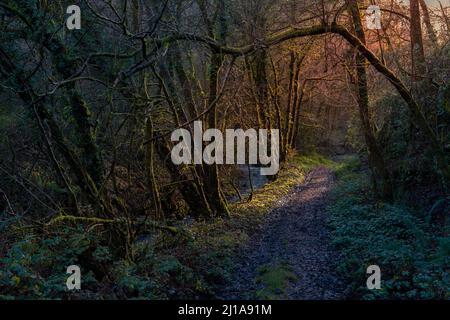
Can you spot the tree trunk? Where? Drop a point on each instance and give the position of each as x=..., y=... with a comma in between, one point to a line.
x=219, y=30
x=151, y=177
x=417, y=52
x=375, y=156
x=212, y=171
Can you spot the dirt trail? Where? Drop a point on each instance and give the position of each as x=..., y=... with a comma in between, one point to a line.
x=293, y=247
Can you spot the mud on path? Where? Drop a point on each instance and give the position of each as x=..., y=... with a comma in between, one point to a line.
x=291, y=257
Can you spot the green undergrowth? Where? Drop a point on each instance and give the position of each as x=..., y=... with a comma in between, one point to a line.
x=197, y=260
x=412, y=253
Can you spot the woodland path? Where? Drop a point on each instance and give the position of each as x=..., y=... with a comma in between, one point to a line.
x=293, y=247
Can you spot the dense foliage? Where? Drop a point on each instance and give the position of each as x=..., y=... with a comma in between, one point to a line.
x=411, y=248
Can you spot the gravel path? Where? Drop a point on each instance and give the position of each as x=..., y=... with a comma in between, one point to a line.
x=295, y=234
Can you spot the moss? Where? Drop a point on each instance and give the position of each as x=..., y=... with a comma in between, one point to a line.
x=274, y=280
x=310, y=161
x=264, y=199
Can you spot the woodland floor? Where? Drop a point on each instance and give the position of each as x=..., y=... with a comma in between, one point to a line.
x=291, y=257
